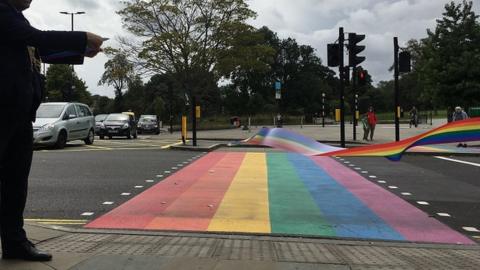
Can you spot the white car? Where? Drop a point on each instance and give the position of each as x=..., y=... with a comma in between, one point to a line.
x=60, y=122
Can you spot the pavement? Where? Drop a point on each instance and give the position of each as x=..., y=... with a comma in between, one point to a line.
x=158, y=245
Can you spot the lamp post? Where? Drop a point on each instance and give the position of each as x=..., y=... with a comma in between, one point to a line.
x=72, y=14
x=323, y=109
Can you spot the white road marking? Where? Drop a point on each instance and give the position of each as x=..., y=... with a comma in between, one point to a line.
x=179, y=165
x=107, y=203
x=346, y=162
x=392, y=187
x=160, y=176
x=149, y=181
x=138, y=187
x=406, y=194
x=174, y=168
x=459, y=161
x=357, y=169
x=470, y=229
x=382, y=182
x=168, y=172
x=423, y=203
x=364, y=172
x=87, y=214
x=372, y=176
x=125, y=194
x=443, y=214
x=351, y=165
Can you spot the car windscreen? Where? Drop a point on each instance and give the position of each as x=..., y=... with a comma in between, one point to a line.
x=117, y=117
x=148, y=119
x=50, y=110
x=100, y=117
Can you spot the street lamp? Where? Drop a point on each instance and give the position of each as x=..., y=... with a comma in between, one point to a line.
x=323, y=109
x=72, y=14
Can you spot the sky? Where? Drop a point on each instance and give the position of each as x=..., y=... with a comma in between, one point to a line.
x=310, y=22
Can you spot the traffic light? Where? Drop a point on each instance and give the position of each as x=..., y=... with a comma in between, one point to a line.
x=404, y=60
x=333, y=55
x=362, y=77
x=354, y=49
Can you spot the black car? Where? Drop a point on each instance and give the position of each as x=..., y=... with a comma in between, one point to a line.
x=118, y=125
x=148, y=123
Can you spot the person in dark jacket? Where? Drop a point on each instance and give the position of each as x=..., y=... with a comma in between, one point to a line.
x=20, y=96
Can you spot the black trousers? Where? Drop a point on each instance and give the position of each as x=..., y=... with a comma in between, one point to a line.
x=16, y=149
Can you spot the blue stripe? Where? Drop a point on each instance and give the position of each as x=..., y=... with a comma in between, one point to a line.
x=345, y=212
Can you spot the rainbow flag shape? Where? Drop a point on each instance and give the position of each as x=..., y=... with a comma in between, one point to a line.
x=461, y=131
x=276, y=193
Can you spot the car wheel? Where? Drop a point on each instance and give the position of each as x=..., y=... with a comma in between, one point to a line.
x=110, y=137
x=157, y=132
x=61, y=140
x=102, y=137
x=90, y=138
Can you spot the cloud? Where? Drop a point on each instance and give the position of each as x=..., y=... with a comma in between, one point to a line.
x=312, y=22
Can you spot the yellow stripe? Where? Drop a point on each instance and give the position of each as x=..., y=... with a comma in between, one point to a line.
x=55, y=220
x=245, y=206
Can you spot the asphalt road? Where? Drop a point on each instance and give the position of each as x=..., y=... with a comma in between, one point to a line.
x=64, y=184
x=445, y=188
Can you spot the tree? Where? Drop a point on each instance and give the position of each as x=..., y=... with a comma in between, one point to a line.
x=62, y=84
x=118, y=73
x=448, y=66
x=185, y=38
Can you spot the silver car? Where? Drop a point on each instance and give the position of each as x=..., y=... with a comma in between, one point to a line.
x=60, y=122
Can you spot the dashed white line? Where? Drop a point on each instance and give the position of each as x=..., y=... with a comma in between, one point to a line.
x=406, y=194
x=364, y=172
x=107, y=203
x=423, y=203
x=382, y=181
x=174, y=168
x=160, y=176
x=443, y=214
x=346, y=162
x=351, y=165
x=125, y=194
x=167, y=172
x=357, y=169
x=149, y=181
x=138, y=187
x=459, y=161
x=87, y=214
x=392, y=187
x=372, y=176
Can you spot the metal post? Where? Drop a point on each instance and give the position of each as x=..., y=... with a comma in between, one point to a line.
x=355, y=101
x=194, y=120
x=341, y=41
x=397, y=90
x=323, y=109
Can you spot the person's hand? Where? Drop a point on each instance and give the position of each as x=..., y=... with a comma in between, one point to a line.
x=94, y=43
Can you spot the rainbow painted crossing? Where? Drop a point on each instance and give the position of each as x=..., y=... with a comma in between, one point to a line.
x=276, y=193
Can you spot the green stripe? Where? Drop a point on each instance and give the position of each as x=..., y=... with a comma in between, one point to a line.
x=292, y=209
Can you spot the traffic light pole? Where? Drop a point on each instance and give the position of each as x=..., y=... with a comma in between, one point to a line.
x=194, y=120
x=355, y=101
x=397, y=90
x=341, y=41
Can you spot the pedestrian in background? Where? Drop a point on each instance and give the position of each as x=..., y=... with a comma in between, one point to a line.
x=459, y=115
x=21, y=91
x=372, y=121
x=413, y=117
x=366, y=127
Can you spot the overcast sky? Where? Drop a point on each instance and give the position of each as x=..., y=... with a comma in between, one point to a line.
x=312, y=22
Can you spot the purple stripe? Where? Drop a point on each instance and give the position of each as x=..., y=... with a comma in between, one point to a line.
x=409, y=221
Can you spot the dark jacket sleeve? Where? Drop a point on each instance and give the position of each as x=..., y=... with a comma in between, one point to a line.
x=15, y=30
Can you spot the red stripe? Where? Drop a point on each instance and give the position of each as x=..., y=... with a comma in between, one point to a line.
x=138, y=212
x=194, y=209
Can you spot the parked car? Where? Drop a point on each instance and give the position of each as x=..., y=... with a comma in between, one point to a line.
x=60, y=122
x=148, y=123
x=99, y=118
x=118, y=124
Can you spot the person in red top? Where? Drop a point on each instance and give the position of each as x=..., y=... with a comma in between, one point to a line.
x=372, y=121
